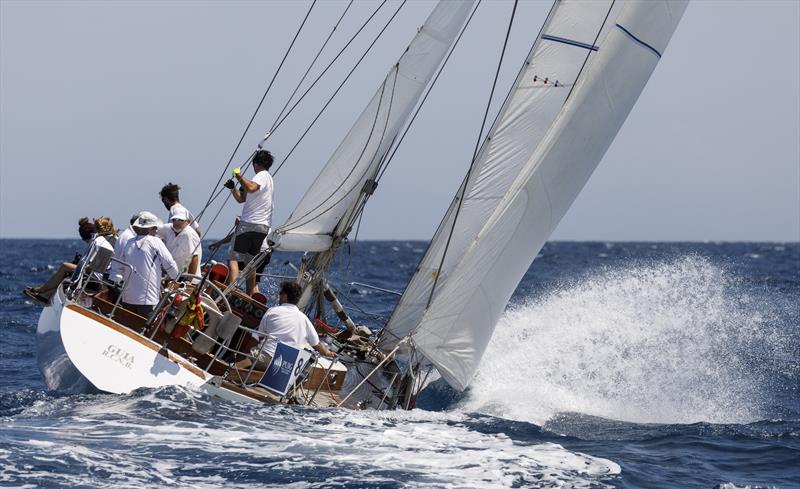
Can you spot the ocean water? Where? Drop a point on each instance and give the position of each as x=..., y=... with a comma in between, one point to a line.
x=616, y=365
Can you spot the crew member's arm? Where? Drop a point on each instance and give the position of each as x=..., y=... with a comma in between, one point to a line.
x=193, y=265
x=238, y=194
x=167, y=262
x=320, y=347
x=249, y=185
x=197, y=250
x=194, y=224
x=313, y=339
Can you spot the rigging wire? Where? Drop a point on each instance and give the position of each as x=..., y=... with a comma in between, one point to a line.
x=389, y=156
x=246, y=162
x=215, y=195
x=338, y=88
x=260, y=103
x=428, y=91
x=366, y=22
x=311, y=65
x=594, y=43
x=346, y=295
x=295, y=224
x=474, y=155
x=520, y=73
x=224, y=203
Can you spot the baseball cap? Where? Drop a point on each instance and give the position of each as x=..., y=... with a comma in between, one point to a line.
x=178, y=213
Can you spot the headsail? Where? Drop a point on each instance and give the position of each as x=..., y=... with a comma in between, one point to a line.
x=546, y=142
x=349, y=174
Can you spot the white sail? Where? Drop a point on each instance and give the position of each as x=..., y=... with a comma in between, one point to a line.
x=552, y=144
x=570, y=37
x=334, y=195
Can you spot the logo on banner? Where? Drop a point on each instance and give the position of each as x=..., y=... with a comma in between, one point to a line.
x=286, y=365
x=277, y=362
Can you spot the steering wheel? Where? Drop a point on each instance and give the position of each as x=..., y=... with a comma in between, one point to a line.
x=220, y=300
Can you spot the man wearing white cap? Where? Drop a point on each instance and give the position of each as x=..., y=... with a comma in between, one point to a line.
x=148, y=256
x=170, y=197
x=182, y=241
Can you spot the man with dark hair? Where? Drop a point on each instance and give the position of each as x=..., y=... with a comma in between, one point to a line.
x=170, y=197
x=287, y=324
x=43, y=293
x=292, y=291
x=256, y=219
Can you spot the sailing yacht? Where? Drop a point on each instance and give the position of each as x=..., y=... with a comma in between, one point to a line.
x=583, y=74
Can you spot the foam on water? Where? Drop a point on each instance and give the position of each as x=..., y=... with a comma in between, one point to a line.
x=183, y=439
x=675, y=342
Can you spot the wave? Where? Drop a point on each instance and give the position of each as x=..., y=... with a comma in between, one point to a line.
x=185, y=439
x=681, y=341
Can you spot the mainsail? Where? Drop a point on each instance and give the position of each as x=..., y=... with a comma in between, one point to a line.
x=582, y=77
x=326, y=208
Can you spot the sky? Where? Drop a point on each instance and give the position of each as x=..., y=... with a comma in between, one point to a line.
x=101, y=103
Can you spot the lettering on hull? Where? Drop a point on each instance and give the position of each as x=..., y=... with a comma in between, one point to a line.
x=117, y=354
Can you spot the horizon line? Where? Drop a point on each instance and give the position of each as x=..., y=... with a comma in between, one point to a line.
x=795, y=241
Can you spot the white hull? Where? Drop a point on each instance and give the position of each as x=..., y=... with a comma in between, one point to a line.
x=80, y=350
x=57, y=369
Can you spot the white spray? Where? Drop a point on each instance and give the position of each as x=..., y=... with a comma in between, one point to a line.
x=666, y=343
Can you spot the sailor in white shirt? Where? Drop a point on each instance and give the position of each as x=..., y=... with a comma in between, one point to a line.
x=170, y=197
x=119, y=247
x=287, y=324
x=125, y=235
x=183, y=242
x=148, y=255
x=256, y=219
x=102, y=248
x=89, y=235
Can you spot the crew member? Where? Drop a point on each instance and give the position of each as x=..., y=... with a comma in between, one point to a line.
x=119, y=248
x=148, y=256
x=98, y=259
x=183, y=242
x=256, y=219
x=287, y=324
x=264, y=248
x=170, y=197
x=124, y=236
x=45, y=292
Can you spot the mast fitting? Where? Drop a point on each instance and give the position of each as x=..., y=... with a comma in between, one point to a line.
x=369, y=187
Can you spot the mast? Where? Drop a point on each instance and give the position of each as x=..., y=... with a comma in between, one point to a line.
x=583, y=75
x=325, y=214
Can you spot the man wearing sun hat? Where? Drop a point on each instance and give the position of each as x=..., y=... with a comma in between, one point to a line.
x=148, y=256
x=182, y=241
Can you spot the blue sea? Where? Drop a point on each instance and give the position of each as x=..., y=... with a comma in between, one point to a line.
x=616, y=365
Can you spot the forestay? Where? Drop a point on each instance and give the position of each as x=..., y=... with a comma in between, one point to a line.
x=327, y=206
x=546, y=142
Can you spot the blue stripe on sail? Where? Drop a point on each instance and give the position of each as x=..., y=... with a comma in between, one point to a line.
x=651, y=48
x=570, y=42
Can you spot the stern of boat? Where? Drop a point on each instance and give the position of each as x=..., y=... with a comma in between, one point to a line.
x=118, y=360
x=58, y=371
